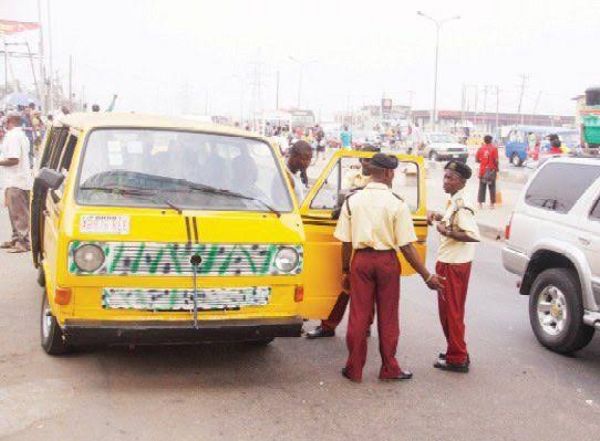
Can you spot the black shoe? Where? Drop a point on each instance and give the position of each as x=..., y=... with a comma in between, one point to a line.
x=404, y=375
x=319, y=332
x=453, y=367
x=442, y=356
x=346, y=375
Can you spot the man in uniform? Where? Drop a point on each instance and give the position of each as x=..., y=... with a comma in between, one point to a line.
x=459, y=231
x=376, y=223
x=354, y=180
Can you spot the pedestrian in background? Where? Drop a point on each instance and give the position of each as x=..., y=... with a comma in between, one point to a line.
x=346, y=138
x=18, y=180
x=375, y=223
x=487, y=157
x=459, y=231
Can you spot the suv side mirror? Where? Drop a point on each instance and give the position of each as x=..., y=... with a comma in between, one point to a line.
x=51, y=179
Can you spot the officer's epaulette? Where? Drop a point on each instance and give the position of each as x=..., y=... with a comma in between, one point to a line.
x=397, y=196
x=347, y=198
x=336, y=212
x=460, y=205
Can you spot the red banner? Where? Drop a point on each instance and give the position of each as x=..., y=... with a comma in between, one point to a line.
x=12, y=27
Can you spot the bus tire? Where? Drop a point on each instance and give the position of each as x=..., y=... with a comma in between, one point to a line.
x=52, y=337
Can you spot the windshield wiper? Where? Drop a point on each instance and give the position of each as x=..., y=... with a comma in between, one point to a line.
x=135, y=192
x=221, y=191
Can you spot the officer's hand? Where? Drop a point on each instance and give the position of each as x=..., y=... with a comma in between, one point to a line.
x=346, y=283
x=432, y=216
x=441, y=227
x=436, y=283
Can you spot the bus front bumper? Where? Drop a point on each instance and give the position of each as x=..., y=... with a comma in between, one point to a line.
x=90, y=332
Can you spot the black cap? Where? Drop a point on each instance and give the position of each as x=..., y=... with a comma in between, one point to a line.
x=459, y=167
x=381, y=160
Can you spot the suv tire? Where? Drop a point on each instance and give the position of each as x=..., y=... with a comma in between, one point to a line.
x=433, y=156
x=556, y=311
x=516, y=160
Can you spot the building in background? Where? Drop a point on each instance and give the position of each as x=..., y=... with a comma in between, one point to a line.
x=453, y=120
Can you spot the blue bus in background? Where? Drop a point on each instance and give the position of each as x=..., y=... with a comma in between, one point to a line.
x=517, y=145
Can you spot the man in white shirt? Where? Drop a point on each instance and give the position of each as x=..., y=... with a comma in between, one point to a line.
x=17, y=179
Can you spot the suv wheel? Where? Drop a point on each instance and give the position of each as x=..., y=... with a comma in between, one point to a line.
x=515, y=160
x=556, y=311
x=50, y=332
x=433, y=155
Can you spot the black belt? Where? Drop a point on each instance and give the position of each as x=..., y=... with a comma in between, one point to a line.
x=373, y=250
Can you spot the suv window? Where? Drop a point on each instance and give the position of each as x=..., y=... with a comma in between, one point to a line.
x=557, y=187
x=595, y=213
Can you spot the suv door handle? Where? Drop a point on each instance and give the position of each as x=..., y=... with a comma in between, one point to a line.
x=584, y=241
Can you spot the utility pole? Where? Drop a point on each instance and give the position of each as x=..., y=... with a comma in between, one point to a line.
x=5, y=67
x=42, y=89
x=524, y=79
x=70, y=82
x=497, y=107
x=537, y=102
x=277, y=93
x=462, y=105
x=50, y=67
x=485, y=93
x=35, y=81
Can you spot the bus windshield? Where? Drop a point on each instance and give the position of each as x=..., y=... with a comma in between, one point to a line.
x=188, y=170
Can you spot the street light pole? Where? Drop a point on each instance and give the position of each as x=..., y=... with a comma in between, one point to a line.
x=438, y=26
x=435, y=75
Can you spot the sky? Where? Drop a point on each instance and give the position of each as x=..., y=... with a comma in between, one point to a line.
x=224, y=57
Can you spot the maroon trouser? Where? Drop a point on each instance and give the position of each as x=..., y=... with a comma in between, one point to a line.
x=451, y=305
x=374, y=278
x=337, y=313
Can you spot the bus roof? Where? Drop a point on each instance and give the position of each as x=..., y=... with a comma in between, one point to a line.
x=86, y=121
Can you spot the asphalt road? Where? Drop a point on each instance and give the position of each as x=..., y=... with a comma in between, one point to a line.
x=292, y=389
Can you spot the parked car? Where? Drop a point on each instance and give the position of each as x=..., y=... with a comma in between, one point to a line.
x=553, y=243
x=444, y=146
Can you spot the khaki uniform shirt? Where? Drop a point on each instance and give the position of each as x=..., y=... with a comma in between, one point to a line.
x=374, y=217
x=355, y=179
x=458, y=216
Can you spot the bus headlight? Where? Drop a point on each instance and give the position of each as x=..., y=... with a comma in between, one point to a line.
x=88, y=257
x=286, y=260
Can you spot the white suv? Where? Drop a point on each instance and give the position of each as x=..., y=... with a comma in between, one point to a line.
x=553, y=242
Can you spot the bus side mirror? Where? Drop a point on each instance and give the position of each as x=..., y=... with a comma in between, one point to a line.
x=50, y=179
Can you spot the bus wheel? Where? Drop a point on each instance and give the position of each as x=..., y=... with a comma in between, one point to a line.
x=50, y=332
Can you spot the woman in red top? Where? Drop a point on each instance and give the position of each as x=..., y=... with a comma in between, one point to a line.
x=487, y=157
